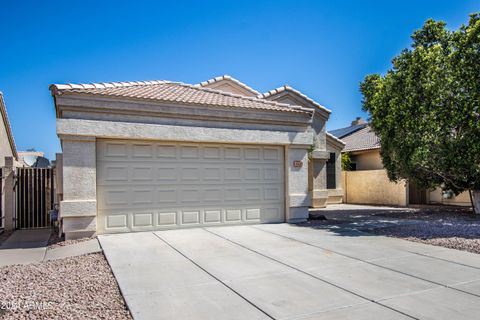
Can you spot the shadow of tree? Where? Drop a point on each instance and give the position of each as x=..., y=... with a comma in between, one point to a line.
x=421, y=223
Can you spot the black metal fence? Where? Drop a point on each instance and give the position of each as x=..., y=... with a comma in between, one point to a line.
x=34, y=192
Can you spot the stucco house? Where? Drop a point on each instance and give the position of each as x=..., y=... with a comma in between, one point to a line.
x=367, y=181
x=153, y=155
x=7, y=144
x=9, y=150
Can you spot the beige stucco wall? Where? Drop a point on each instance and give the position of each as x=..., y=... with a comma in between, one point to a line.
x=435, y=197
x=367, y=160
x=5, y=148
x=371, y=161
x=373, y=187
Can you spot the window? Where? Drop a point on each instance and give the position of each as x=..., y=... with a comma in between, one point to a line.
x=331, y=172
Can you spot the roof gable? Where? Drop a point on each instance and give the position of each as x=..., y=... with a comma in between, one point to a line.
x=289, y=95
x=335, y=142
x=228, y=84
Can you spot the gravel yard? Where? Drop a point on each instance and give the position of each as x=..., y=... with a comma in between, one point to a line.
x=455, y=235
x=455, y=228
x=450, y=227
x=55, y=241
x=74, y=288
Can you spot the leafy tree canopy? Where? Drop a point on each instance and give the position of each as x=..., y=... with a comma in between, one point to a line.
x=426, y=108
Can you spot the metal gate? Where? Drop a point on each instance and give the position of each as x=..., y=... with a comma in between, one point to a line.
x=34, y=192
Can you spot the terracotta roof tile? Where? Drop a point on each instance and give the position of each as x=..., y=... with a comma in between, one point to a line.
x=173, y=92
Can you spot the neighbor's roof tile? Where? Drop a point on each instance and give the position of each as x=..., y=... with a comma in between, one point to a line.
x=361, y=140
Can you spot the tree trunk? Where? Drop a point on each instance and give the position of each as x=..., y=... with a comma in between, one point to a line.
x=476, y=201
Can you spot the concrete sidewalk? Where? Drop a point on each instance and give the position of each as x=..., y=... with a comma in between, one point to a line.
x=30, y=246
x=280, y=271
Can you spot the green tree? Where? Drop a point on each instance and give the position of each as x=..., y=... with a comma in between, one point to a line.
x=426, y=109
x=346, y=161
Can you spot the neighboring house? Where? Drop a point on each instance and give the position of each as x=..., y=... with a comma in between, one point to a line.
x=155, y=155
x=33, y=158
x=362, y=144
x=7, y=144
x=367, y=182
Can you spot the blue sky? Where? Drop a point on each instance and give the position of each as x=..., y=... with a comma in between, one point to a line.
x=322, y=48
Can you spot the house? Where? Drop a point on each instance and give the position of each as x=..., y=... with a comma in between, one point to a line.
x=367, y=183
x=9, y=151
x=152, y=155
x=33, y=158
x=362, y=144
x=7, y=144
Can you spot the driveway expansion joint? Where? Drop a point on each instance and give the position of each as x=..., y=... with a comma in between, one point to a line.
x=213, y=276
x=311, y=275
x=374, y=264
x=446, y=260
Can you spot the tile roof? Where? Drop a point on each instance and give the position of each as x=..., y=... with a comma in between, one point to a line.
x=227, y=77
x=8, y=128
x=288, y=88
x=361, y=140
x=174, y=92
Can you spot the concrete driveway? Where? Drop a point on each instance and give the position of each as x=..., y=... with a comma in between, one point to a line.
x=282, y=271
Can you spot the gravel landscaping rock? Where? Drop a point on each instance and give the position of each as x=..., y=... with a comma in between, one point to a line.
x=450, y=227
x=55, y=241
x=74, y=288
x=446, y=226
x=432, y=213
x=460, y=235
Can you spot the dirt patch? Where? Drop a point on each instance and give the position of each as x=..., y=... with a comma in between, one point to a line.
x=74, y=288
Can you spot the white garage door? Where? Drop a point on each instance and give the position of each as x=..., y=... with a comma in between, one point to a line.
x=155, y=185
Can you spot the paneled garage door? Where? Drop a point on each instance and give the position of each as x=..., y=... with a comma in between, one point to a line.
x=145, y=185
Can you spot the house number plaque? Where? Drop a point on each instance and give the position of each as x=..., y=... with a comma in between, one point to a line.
x=297, y=164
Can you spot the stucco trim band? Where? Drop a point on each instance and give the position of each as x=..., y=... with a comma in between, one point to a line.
x=126, y=130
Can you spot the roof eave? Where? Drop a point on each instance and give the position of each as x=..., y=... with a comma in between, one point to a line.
x=362, y=149
x=8, y=128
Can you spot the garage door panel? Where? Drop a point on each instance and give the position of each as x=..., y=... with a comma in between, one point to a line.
x=114, y=149
x=147, y=185
x=150, y=220
x=167, y=218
